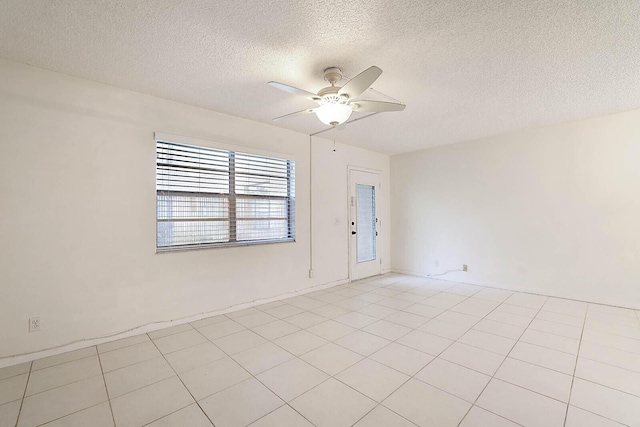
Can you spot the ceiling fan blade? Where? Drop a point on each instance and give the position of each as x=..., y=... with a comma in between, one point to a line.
x=310, y=110
x=357, y=85
x=295, y=91
x=376, y=106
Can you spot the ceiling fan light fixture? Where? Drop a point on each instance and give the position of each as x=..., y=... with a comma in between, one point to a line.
x=333, y=114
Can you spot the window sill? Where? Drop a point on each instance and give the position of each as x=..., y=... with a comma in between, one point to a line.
x=183, y=248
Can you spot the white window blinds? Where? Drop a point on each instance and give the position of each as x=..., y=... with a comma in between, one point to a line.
x=209, y=197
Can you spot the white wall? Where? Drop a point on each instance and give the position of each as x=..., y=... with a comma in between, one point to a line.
x=553, y=211
x=77, y=213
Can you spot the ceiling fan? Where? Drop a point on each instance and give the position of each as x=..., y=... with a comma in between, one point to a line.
x=336, y=103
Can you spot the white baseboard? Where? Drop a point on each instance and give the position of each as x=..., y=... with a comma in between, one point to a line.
x=154, y=326
x=410, y=272
x=612, y=303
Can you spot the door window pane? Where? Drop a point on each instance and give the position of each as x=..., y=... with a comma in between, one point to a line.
x=366, y=217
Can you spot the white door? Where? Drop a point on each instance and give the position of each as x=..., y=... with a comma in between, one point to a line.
x=364, y=227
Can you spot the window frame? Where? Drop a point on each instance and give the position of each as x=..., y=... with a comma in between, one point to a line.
x=231, y=196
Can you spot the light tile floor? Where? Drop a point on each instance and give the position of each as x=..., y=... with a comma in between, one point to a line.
x=392, y=350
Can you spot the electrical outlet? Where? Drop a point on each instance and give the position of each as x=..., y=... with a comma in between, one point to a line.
x=310, y=274
x=437, y=263
x=34, y=324
x=465, y=267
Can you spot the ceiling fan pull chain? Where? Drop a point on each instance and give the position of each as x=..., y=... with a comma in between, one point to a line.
x=334, y=138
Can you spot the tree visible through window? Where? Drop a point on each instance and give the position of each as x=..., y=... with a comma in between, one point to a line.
x=210, y=197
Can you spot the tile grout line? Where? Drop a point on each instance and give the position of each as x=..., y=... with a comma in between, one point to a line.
x=538, y=365
x=378, y=319
x=437, y=356
x=614, y=323
x=60, y=386
x=123, y=347
x=613, y=366
x=15, y=375
x=348, y=367
x=395, y=341
x=130, y=365
x=410, y=377
x=379, y=404
x=499, y=366
x=147, y=385
x=347, y=385
x=302, y=292
x=44, y=391
x=610, y=388
x=285, y=403
x=575, y=368
x=368, y=357
x=246, y=328
x=573, y=375
x=602, y=416
x=616, y=348
x=281, y=406
x=456, y=341
x=162, y=355
x=173, y=335
x=414, y=329
x=104, y=382
x=72, y=413
x=24, y=393
x=298, y=357
x=615, y=335
x=65, y=384
x=183, y=385
x=533, y=293
x=231, y=357
x=365, y=281
x=502, y=302
x=68, y=361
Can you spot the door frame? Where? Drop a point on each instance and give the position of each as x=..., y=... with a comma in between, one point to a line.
x=349, y=195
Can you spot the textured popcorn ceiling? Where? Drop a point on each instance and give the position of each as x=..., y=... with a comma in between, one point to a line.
x=465, y=69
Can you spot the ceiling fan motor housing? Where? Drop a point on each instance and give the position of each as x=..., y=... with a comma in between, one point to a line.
x=329, y=95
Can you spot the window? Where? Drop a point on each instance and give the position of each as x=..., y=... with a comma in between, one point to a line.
x=208, y=197
x=366, y=217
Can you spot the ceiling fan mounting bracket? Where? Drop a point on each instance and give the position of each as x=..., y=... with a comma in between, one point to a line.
x=333, y=75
